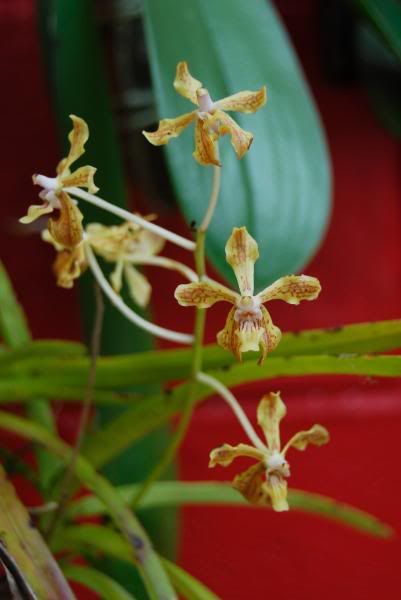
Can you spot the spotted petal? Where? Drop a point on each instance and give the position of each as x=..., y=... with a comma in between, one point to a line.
x=139, y=287
x=241, y=254
x=169, y=128
x=225, y=454
x=271, y=410
x=316, y=435
x=251, y=485
x=223, y=124
x=35, y=211
x=206, y=149
x=203, y=294
x=116, y=276
x=245, y=102
x=227, y=337
x=67, y=228
x=78, y=137
x=68, y=266
x=185, y=84
x=292, y=289
x=82, y=177
x=271, y=335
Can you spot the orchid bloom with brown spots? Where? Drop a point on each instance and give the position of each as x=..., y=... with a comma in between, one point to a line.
x=69, y=263
x=265, y=484
x=249, y=326
x=211, y=120
x=67, y=228
x=125, y=245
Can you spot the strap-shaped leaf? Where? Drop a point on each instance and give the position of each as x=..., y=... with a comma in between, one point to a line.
x=207, y=493
x=280, y=190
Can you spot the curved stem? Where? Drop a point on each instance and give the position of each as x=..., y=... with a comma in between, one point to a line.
x=156, y=330
x=165, y=263
x=214, y=195
x=233, y=403
x=128, y=216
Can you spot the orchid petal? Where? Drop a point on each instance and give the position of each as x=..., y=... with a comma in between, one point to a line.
x=271, y=410
x=223, y=124
x=116, y=276
x=169, y=128
x=35, y=211
x=292, y=289
x=245, y=102
x=185, y=84
x=67, y=228
x=77, y=137
x=227, y=337
x=206, y=149
x=271, y=337
x=251, y=485
x=203, y=294
x=139, y=287
x=68, y=266
x=82, y=177
x=241, y=254
x=316, y=435
x=225, y=454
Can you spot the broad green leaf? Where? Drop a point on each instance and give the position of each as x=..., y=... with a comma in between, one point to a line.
x=180, y=493
x=153, y=410
x=142, y=551
x=120, y=372
x=25, y=545
x=104, y=586
x=281, y=189
x=15, y=332
x=385, y=16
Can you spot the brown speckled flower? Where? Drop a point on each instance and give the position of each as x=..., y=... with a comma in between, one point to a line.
x=249, y=326
x=265, y=483
x=211, y=120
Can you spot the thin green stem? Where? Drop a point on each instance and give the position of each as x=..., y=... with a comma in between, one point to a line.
x=66, y=483
x=197, y=348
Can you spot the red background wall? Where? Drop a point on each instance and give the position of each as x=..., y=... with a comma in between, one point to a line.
x=242, y=553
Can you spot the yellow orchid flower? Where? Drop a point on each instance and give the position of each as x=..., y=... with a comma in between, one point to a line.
x=69, y=264
x=249, y=326
x=67, y=228
x=265, y=483
x=123, y=245
x=211, y=120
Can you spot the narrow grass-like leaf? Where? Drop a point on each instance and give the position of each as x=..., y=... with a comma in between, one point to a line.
x=98, y=539
x=214, y=494
x=147, y=562
x=13, y=325
x=15, y=332
x=151, y=411
x=385, y=16
x=106, y=587
x=187, y=585
x=119, y=372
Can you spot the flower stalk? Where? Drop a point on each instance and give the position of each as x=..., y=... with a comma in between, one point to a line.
x=170, y=236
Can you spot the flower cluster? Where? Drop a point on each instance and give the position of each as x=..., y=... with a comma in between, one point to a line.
x=138, y=241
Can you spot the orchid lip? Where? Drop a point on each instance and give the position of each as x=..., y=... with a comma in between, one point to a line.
x=206, y=104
